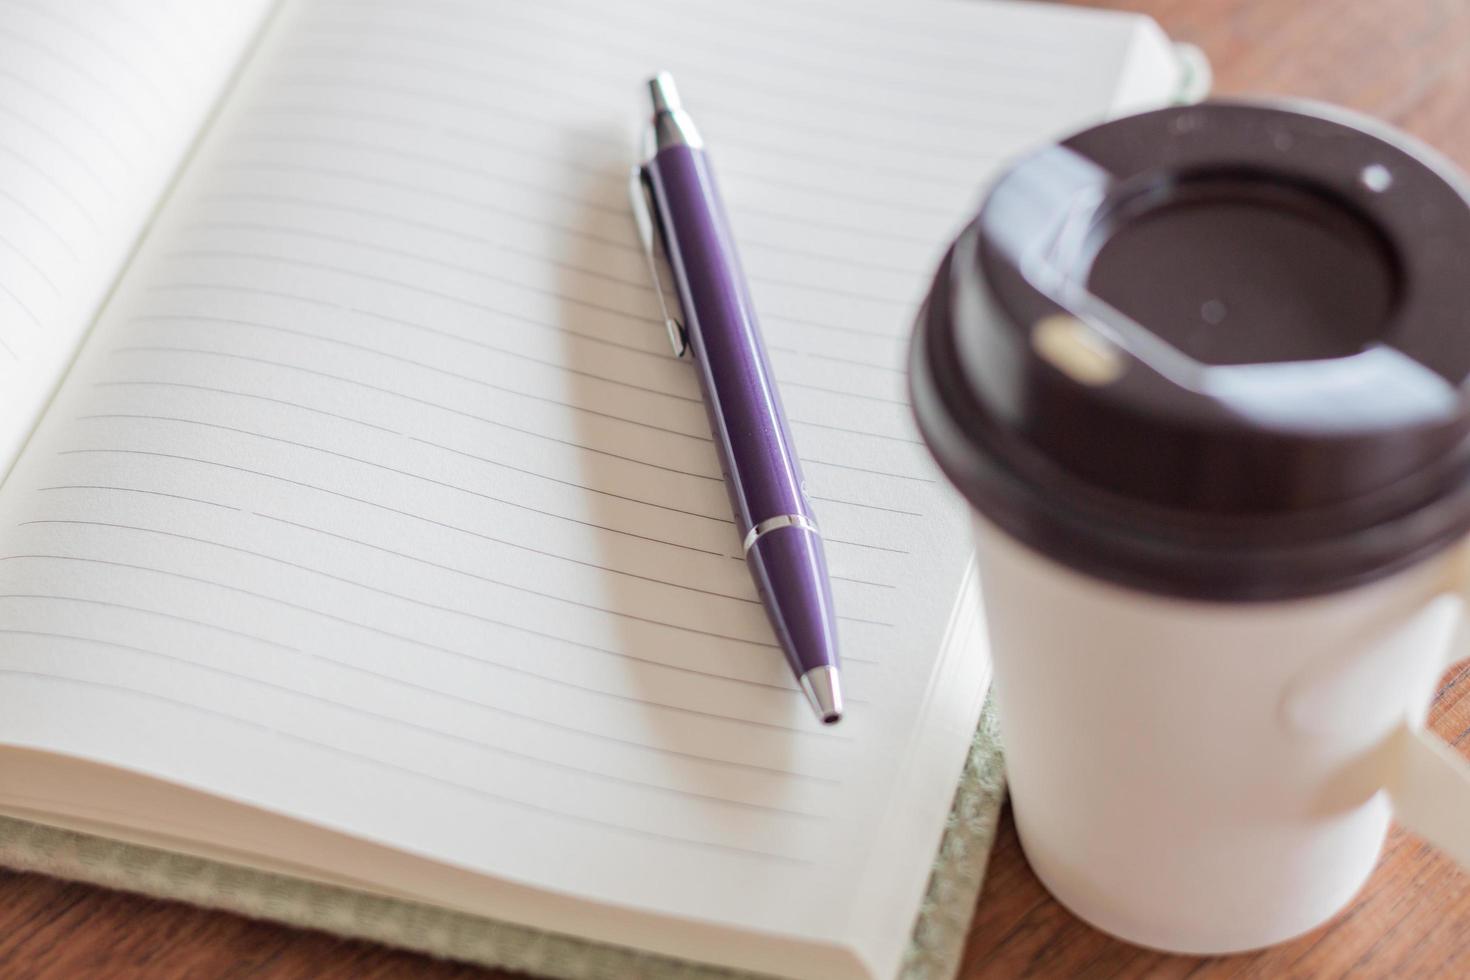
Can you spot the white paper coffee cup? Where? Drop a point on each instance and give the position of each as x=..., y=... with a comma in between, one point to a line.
x=1201, y=373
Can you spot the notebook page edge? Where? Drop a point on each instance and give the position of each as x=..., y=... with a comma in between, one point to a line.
x=242, y=835
x=888, y=899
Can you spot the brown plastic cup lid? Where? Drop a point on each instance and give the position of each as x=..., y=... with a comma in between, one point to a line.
x=1215, y=351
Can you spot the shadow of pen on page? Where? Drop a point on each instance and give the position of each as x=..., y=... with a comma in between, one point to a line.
x=713, y=686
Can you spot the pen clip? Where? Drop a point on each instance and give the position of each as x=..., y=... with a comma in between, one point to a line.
x=646, y=218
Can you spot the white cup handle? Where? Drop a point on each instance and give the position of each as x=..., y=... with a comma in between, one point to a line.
x=1429, y=782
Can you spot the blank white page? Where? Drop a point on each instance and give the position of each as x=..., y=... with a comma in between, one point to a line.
x=378, y=500
x=99, y=101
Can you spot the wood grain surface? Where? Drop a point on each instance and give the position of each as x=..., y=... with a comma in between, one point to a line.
x=1407, y=61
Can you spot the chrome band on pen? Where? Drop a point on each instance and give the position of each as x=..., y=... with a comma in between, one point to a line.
x=775, y=524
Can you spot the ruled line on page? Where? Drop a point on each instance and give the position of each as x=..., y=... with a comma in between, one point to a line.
x=751, y=600
x=855, y=164
x=692, y=414
x=507, y=584
x=445, y=525
x=492, y=179
x=622, y=241
x=615, y=203
x=151, y=493
x=874, y=51
x=159, y=44
x=564, y=682
x=260, y=435
x=31, y=264
x=618, y=156
x=66, y=194
x=638, y=283
x=424, y=402
x=500, y=140
x=554, y=364
x=439, y=228
x=610, y=168
x=223, y=287
x=432, y=730
x=694, y=427
x=480, y=78
x=83, y=117
x=642, y=702
x=42, y=223
x=537, y=720
x=102, y=87
x=820, y=218
x=207, y=352
x=174, y=617
x=20, y=304
x=547, y=362
x=73, y=157
x=694, y=420
x=602, y=309
x=164, y=39
x=828, y=539
x=890, y=23
x=322, y=116
x=499, y=464
x=644, y=323
x=377, y=762
x=480, y=271
x=707, y=46
x=411, y=475
x=637, y=279
x=283, y=402
x=619, y=655
x=418, y=559
x=508, y=147
x=244, y=289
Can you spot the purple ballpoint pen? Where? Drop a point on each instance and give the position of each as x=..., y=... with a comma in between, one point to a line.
x=674, y=191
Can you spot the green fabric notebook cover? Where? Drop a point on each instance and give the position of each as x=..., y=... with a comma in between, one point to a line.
x=934, y=951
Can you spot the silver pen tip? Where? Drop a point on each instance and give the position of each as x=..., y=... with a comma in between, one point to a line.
x=824, y=690
x=665, y=96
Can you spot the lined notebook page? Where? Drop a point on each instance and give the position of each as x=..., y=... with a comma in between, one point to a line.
x=378, y=500
x=98, y=102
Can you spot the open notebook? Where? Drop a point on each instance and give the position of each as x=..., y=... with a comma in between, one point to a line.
x=358, y=524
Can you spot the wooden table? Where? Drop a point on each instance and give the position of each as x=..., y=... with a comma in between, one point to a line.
x=1407, y=61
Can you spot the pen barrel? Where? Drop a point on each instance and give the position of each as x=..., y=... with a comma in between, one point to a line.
x=756, y=452
x=762, y=475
